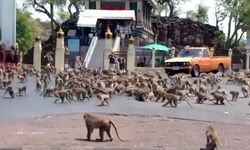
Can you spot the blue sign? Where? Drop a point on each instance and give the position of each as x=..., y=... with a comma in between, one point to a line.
x=74, y=45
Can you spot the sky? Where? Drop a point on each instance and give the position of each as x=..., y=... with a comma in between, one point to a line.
x=190, y=5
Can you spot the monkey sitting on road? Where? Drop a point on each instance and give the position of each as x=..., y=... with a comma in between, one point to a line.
x=104, y=125
x=212, y=139
x=235, y=95
x=218, y=97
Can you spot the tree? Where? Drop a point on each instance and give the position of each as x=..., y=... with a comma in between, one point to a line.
x=202, y=14
x=40, y=6
x=238, y=14
x=24, y=30
x=77, y=5
x=63, y=15
x=171, y=6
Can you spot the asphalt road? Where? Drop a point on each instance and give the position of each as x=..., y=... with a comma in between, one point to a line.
x=33, y=105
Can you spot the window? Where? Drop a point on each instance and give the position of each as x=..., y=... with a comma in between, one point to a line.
x=205, y=53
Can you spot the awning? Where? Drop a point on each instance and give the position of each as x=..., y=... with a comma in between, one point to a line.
x=87, y=21
x=88, y=17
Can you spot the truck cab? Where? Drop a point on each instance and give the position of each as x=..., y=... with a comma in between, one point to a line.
x=196, y=60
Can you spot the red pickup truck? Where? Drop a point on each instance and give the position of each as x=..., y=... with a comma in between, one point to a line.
x=196, y=60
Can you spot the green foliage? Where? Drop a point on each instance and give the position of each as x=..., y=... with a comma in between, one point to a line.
x=220, y=38
x=63, y=15
x=24, y=30
x=202, y=14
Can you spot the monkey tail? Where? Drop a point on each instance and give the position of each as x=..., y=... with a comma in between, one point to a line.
x=110, y=122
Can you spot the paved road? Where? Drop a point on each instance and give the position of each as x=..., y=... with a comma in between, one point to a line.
x=35, y=106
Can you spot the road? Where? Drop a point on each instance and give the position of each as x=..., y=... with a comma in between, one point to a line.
x=33, y=105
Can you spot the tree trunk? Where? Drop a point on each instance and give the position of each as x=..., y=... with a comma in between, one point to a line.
x=51, y=20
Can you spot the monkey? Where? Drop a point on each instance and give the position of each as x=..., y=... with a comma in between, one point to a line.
x=81, y=93
x=47, y=91
x=22, y=90
x=103, y=97
x=218, y=97
x=244, y=90
x=61, y=95
x=21, y=78
x=172, y=100
x=235, y=95
x=104, y=125
x=10, y=90
x=212, y=138
x=201, y=97
x=38, y=84
x=6, y=83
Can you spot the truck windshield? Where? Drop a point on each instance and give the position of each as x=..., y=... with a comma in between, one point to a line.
x=190, y=53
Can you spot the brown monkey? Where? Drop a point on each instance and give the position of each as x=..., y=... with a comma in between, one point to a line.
x=61, y=95
x=244, y=90
x=21, y=78
x=22, y=90
x=6, y=83
x=10, y=90
x=95, y=122
x=212, y=139
x=103, y=97
x=172, y=100
x=38, y=84
x=81, y=93
x=218, y=97
x=47, y=91
x=201, y=97
x=235, y=95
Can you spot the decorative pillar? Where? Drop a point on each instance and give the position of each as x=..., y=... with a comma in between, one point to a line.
x=98, y=4
x=37, y=54
x=108, y=48
x=230, y=53
x=60, y=51
x=153, y=58
x=131, y=55
x=247, y=60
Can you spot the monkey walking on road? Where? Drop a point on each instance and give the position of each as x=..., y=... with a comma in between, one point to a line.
x=11, y=91
x=104, y=125
x=212, y=139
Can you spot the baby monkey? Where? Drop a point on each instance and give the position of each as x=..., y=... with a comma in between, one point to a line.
x=235, y=95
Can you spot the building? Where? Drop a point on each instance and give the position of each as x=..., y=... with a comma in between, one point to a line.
x=8, y=23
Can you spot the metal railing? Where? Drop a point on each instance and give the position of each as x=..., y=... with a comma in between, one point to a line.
x=90, y=51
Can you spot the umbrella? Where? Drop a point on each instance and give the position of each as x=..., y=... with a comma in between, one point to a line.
x=156, y=47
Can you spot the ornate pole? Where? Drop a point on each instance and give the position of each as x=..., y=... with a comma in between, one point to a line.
x=37, y=54
x=131, y=55
x=230, y=53
x=108, y=48
x=60, y=51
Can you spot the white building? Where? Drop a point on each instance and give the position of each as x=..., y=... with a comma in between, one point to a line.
x=8, y=22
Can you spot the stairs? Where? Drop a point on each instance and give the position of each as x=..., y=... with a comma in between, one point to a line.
x=96, y=59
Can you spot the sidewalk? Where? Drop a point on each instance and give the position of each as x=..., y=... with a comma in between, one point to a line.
x=66, y=132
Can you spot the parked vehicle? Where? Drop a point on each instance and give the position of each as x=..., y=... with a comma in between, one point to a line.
x=196, y=60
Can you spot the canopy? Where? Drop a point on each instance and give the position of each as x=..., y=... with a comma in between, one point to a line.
x=87, y=22
x=89, y=17
x=156, y=47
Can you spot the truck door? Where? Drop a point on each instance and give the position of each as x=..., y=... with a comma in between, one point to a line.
x=205, y=61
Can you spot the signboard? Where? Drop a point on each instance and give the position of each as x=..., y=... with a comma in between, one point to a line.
x=74, y=45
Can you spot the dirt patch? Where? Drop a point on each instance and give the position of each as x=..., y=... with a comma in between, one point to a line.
x=144, y=132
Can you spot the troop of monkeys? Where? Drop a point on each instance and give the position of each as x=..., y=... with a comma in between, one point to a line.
x=84, y=83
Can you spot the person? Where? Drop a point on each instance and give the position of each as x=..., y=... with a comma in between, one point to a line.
x=112, y=61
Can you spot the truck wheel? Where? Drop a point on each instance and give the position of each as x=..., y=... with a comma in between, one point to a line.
x=196, y=71
x=220, y=68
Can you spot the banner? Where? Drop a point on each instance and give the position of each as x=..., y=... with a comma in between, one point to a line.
x=74, y=45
